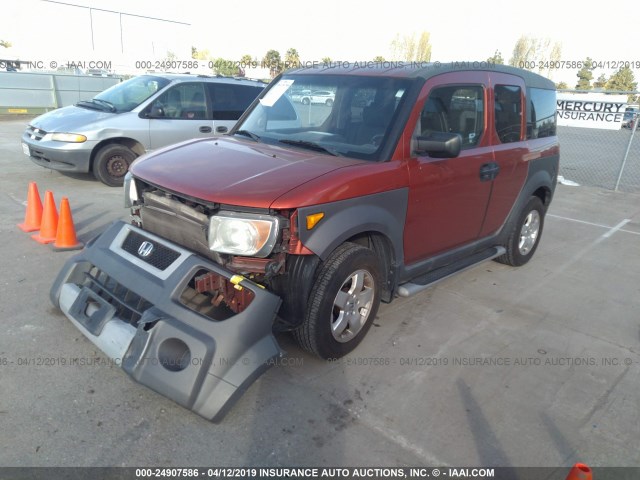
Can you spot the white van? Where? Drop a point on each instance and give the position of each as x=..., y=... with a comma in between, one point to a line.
x=104, y=135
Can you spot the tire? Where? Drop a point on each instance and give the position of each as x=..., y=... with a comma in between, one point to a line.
x=329, y=102
x=306, y=101
x=112, y=163
x=525, y=234
x=344, y=301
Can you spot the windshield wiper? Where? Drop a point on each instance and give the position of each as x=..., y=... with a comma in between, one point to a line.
x=91, y=105
x=108, y=104
x=249, y=134
x=309, y=146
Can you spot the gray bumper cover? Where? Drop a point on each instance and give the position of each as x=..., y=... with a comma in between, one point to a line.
x=202, y=364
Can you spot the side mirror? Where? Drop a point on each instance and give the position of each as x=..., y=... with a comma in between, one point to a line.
x=440, y=144
x=156, y=111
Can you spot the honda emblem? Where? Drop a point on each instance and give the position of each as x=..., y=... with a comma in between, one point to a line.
x=145, y=249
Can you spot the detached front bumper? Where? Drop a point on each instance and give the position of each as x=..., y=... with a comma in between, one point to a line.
x=133, y=309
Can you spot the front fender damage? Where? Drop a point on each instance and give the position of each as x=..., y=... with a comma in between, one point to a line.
x=136, y=311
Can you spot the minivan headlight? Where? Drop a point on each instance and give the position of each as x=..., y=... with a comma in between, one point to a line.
x=244, y=234
x=68, y=137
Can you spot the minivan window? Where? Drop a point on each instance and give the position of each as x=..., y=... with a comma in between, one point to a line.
x=230, y=101
x=541, y=113
x=127, y=95
x=454, y=109
x=185, y=101
x=508, y=113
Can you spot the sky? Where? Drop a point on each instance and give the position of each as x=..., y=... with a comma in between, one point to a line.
x=339, y=29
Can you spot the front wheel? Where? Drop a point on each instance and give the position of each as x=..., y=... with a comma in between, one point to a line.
x=112, y=163
x=344, y=301
x=525, y=234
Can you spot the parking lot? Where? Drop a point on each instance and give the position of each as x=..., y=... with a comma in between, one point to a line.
x=536, y=366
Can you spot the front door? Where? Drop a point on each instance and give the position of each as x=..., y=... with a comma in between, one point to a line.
x=448, y=197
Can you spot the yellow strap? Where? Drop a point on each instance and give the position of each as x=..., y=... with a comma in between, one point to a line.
x=236, y=279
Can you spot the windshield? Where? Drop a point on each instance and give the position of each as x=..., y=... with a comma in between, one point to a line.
x=343, y=115
x=125, y=96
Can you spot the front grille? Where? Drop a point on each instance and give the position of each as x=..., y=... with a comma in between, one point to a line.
x=160, y=257
x=181, y=223
x=35, y=133
x=129, y=305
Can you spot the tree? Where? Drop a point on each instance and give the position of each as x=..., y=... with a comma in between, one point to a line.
x=5, y=44
x=224, y=67
x=246, y=59
x=533, y=53
x=194, y=52
x=562, y=86
x=273, y=62
x=623, y=80
x=292, y=58
x=410, y=49
x=585, y=75
x=169, y=61
x=524, y=52
x=601, y=82
x=556, y=52
x=496, y=58
x=378, y=58
x=423, y=49
x=326, y=60
x=202, y=54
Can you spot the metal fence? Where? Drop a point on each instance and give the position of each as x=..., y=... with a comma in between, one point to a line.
x=33, y=93
x=602, y=158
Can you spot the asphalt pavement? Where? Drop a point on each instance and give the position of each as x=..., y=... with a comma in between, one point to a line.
x=498, y=366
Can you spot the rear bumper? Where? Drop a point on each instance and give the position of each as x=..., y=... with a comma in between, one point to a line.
x=132, y=311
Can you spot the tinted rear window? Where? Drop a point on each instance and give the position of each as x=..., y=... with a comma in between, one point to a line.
x=541, y=113
x=230, y=101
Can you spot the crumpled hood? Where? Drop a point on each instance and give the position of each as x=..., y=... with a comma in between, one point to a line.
x=69, y=119
x=233, y=171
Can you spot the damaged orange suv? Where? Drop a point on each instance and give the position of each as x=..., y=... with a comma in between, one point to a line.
x=308, y=214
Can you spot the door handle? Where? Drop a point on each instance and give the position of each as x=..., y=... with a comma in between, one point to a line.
x=221, y=129
x=205, y=129
x=489, y=171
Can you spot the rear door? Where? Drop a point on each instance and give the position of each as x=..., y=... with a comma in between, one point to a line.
x=448, y=197
x=507, y=132
x=228, y=102
x=179, y=114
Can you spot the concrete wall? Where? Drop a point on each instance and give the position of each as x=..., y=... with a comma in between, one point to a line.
x=26, y=93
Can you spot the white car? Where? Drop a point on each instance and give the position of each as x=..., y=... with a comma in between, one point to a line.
x=323, y=97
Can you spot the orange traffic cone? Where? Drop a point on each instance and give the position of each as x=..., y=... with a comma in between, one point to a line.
x=580, y=471
x=33, y=215
x=49, y=224
x=66, y=234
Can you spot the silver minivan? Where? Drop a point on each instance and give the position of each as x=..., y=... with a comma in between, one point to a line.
x=105, y=134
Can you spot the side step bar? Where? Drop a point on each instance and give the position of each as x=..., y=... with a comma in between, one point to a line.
x=425, y=281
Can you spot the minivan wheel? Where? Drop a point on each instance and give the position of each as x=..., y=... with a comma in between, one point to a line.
x=525, y=234
x=344, y=301
x=112, y=163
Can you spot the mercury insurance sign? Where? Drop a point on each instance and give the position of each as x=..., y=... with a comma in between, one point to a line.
x=591, y=110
